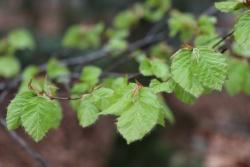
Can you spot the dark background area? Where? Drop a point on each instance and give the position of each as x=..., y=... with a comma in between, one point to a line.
x=214, y=132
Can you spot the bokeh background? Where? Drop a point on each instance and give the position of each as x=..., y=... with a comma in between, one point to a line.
x=214, y=132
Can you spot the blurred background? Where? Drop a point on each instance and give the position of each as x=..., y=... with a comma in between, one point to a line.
x=214, y=132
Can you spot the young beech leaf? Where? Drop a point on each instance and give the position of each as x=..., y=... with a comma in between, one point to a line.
x=183, y=72
x=140, y=117
x=21, y=39
x=158, y=87
x=183, y=95
x=88, y=108
x=120, y=101
x=40, y=115
x=87, y=113
x=155, y=67
x=241, y=31
x=182, y=24
x=155, y=9
x=229, y=6
x=90, y=75
x=36, y=114
x=238, y=72
x=57, y=71
x=198, y=69
x=246, y=86
x=9, y=66
x=165, y=113
x=16, y=109
x=211, y=69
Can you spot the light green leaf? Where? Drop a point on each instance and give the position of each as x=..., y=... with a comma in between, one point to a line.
x=90, y=75
x=154, y=10
x=39, y=116
x=140, y=118
x=237, y=74
x=30, y=72
x=198, y=69
x=241, y=31
x=9, y=66
x=229, y=6
x=16, y=108
x=246, y=86
x=83, y=37
x=183, y=95
x=57, y=70
x=87, y=113
x=156, y=67
x=158, y=87
x=21, y=39
x=182, y=24
x=211, y=69
x=183, y=72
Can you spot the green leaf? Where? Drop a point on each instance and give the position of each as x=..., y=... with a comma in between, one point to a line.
x=89, y=107
x=21, y=39
x=229, y=6
x=154, y=10
x=90, y=75
x=117, y=45
x=140, y=118
x=87, y=113
x=211, y=69
x=241, y=31
x=198, y=69
x=158, y=87
x=36, y=114
x=83, y=37
x=119, y=102
x=206, y=25
x=57, y=71
x=155, y=67
x=183, y=95
x=9, y=66
x=182, y=24
x=246, y=86
x=39, y=116
x=237, y=74
x=183, y=72
x=16, y=108
x=29, y=73
x=125, y=20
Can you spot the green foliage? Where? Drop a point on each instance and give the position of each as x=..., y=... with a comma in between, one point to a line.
x=158, y=86
x=57, y=71
x=9, y=66
x=182, y=24
x=198, y=69
x=189, y=73
x=36, y=114
x=238, y=77
x=241, y=31
x=230, y=5
x=154, y=67
x=154, y=10
x=90, y=75
x=90, y=106
x=21, y=39
x=138, y=110
x=83, y=37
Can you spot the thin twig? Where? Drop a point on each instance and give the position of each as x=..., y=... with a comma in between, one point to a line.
x=34, y=154
x=223, y=39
